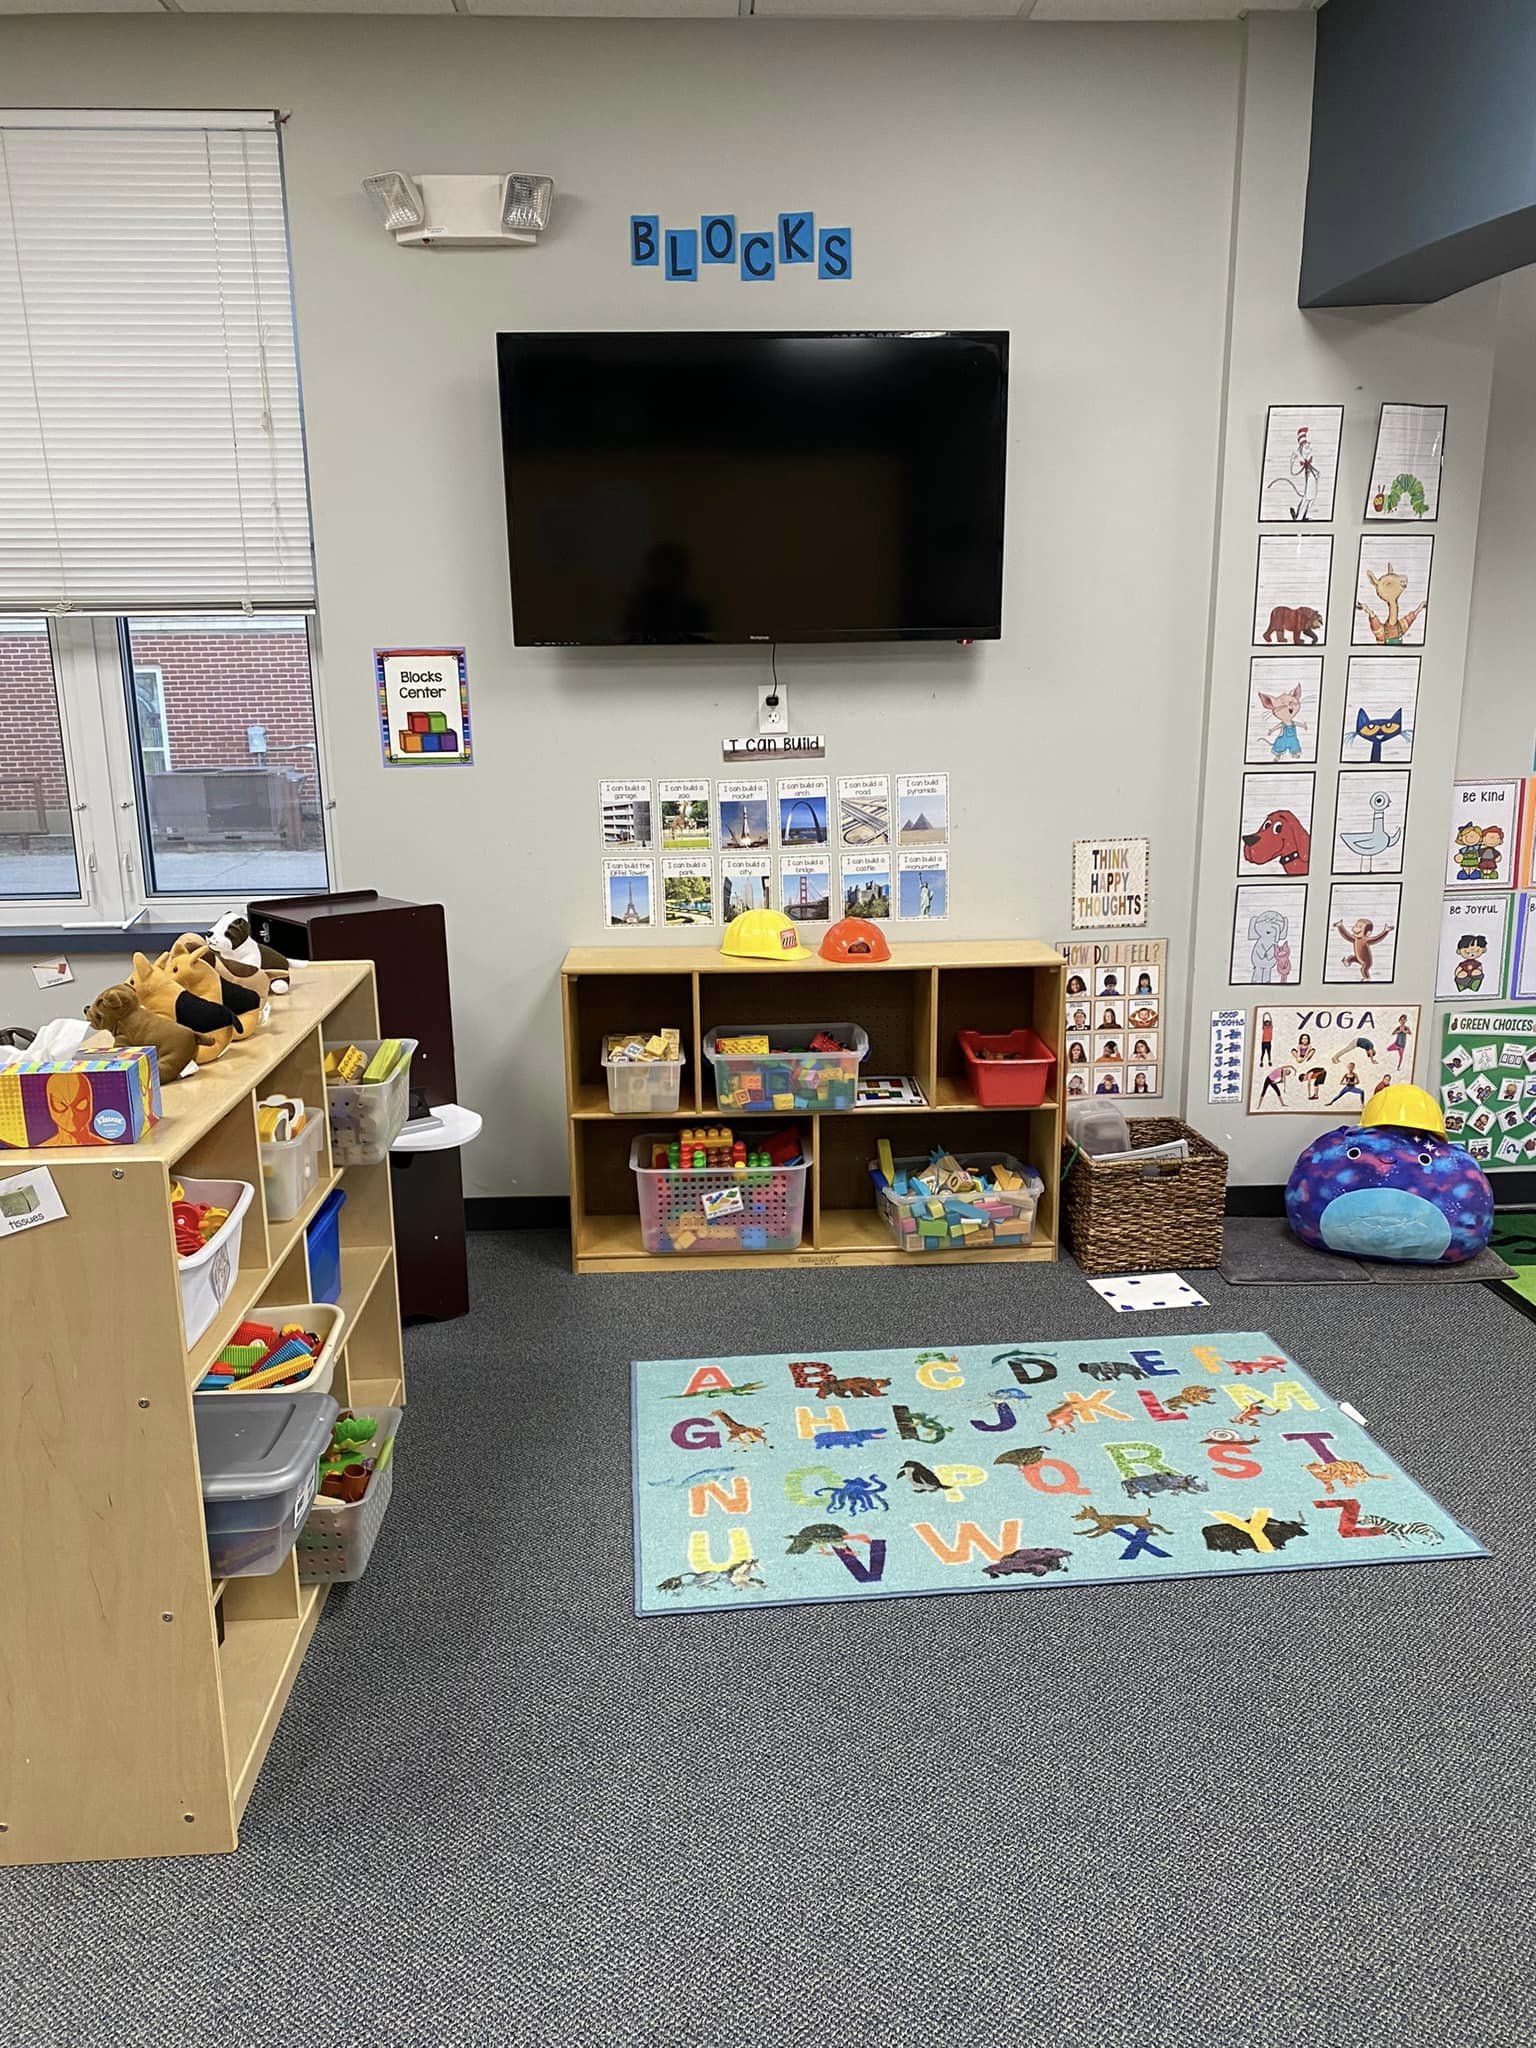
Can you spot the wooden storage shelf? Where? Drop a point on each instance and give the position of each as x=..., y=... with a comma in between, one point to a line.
x=912, y=1006
x=102, y=1545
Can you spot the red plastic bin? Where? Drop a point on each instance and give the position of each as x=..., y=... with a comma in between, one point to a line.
x=1022, y=1081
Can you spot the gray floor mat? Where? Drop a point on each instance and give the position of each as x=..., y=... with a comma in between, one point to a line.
x=1261, y=1250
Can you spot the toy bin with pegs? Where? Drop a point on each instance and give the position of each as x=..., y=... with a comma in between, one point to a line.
x=367, y=1096
x=698, y=1210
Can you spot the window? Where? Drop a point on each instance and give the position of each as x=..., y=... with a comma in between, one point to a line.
x=159, y=746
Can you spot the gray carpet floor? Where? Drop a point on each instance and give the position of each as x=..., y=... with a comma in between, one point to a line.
x=1281, y=1812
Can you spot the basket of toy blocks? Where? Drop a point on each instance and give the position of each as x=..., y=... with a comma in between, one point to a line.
x=786, y=1067
x=279, y=1351
x=357, y=1476
x=1147, y=1215
x=731, y=1198
x=955, y=1202
x=644, y=1072
x=367, y=1096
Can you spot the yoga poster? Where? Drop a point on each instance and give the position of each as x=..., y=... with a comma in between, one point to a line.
x=1488, y=1085
x=1405, y=469
x=1392, y=590
x=1381, y=697
x=1361, y=944
x=1283, y=697
x=1474, y=940
x=1301, y=463
x=1320, y=1060
x=1370, y=819
x=1290, y=599
x=1274, y=833
x=1267, y=922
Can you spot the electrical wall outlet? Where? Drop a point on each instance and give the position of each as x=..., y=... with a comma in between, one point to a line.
x=772, y=708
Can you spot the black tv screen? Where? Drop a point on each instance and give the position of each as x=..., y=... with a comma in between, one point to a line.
x=664, y=489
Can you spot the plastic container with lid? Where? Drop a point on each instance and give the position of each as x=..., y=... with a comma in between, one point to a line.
x=260, y=1462
x=1098, y=1128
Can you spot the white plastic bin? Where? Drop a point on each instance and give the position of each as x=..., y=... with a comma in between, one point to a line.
x=290, y=1168
x=326, y=1322
x=789, y=1077
x=643, y=1087
x=707, y=1209
x=338, y=1536
x=207, y=1276
x=367, y=1117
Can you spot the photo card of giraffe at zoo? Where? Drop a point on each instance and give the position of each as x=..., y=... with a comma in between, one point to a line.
x=1267, y=922
x=1290, y=596
x=1361, y=940
x=1381, y=699
x=1405, y=469
x=1392, y=590
x=1301, y=463
x=1284, y=692
x=1313, y=1061
x=1370, y=821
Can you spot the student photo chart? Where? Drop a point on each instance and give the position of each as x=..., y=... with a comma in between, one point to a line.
x=1370, y=821
x=1290, y=596
x=1274, y=837
x=1301, y=463
x=1284, y=694
x=1267, y=921
x=1405, y=468
x=1381, y=696
x=1392, y=590
x=1362, y=932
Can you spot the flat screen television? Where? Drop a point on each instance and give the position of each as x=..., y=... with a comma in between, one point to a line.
x=667, y=489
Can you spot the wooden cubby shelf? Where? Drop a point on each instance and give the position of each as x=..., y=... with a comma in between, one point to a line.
x=102, y=1546
x=912, y=1006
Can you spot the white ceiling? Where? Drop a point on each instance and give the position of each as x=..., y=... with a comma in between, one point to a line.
x=957, y=10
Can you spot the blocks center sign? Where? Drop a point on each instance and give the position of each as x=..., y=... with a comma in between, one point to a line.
x=423, y=705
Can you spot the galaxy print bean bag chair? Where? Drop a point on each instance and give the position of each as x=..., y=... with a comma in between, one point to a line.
x=1392, y=1186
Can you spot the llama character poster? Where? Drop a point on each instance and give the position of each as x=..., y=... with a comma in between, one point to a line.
x=1392, y=590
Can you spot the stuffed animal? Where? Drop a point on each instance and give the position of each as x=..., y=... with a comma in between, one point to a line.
x=119, y=1011
x=232, y=939
x=191, y=962
x=1392, y=1186
x=160, y=991
x=236, y=976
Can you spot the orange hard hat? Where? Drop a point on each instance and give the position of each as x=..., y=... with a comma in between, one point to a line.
x=855, y=939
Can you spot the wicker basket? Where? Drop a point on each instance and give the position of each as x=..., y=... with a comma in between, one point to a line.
x=1130, y=1218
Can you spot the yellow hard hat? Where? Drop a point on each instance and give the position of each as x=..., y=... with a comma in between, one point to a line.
x=763, y=935
x=1407, y=1107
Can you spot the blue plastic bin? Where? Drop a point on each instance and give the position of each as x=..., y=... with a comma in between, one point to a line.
x=323, y=1238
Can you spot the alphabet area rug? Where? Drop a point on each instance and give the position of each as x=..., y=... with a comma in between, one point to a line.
x=767, y=1481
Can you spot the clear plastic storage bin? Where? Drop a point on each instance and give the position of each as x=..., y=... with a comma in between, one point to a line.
x=367, y=1117
x=939, y=1223
x=207, y=1276
x=643, y=1087
x=709, y=1209
x=338, y=1536
x=260, y=1463
x=290, y=1168
x=789, y=1077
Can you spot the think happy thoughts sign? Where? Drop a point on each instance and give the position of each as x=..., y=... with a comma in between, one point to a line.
x=1109, y=883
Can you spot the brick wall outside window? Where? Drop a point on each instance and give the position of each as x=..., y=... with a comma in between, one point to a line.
x=31, y=750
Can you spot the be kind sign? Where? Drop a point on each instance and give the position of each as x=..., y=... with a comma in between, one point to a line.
x=757, y=253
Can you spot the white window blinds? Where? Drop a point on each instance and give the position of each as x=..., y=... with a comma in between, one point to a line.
x=151, y=445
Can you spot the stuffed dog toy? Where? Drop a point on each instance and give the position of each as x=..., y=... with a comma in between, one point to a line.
x=161, y=993
x=119, y=1011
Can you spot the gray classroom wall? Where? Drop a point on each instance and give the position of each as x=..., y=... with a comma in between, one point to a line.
x=1073, y=184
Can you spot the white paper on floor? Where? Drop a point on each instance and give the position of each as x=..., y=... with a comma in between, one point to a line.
x=1148, y=1290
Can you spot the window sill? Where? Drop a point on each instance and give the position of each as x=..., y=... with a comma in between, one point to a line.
x=34, y=940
